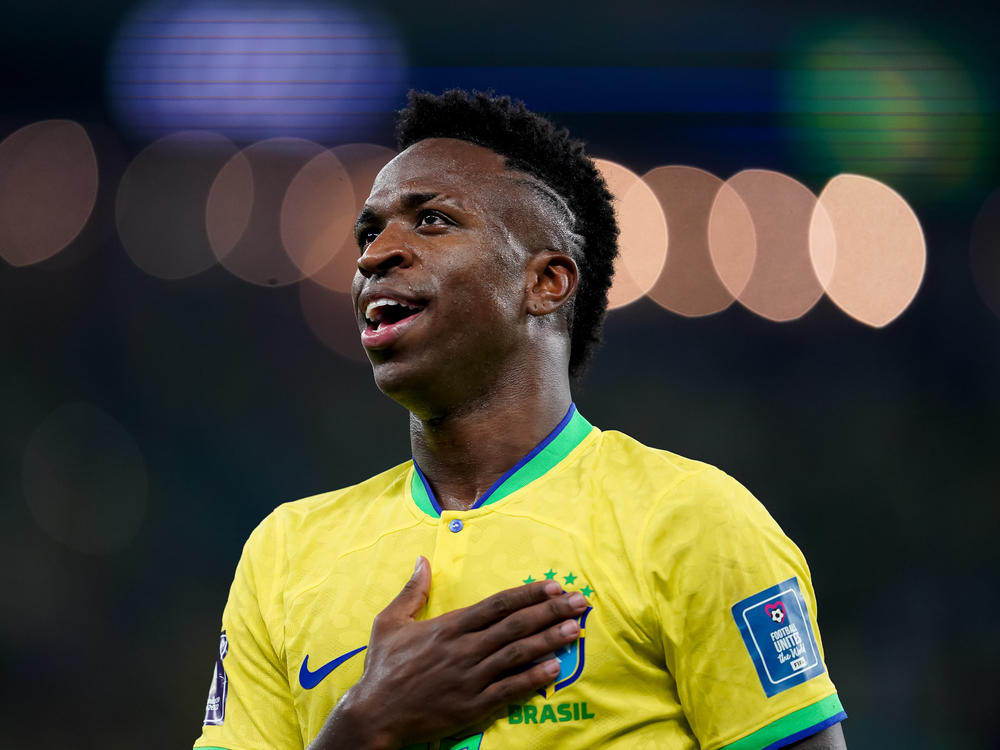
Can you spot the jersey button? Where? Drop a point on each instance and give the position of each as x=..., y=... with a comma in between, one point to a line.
x=456, y=526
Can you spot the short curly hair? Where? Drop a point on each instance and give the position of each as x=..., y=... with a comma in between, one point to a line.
x=530, y=143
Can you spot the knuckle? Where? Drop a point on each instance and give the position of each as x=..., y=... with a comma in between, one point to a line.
x=556, y=636
x=514, y=654
x=436, y=631
x=558, y=606
x=513, y=688
x=515, y=628
x=503, y=692
x=500, y=607
x=497, y=693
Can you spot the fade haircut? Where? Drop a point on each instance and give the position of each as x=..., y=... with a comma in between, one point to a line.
x=532, y=144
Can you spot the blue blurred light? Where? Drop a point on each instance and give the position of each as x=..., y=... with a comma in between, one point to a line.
x=616, y=89
x=253, y=71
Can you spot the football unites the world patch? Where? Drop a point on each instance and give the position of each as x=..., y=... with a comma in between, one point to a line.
x=215, y=708
x=778, y=633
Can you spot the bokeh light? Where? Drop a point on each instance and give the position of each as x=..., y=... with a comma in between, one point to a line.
x=732, y=241
x=325, y=297
x=317, y=212
x=884, y=100
x=642, y=243
x=255, y=70
x=873, y=260
x=984, y=252
x=363, y=162
x=84, y=479
x=161, y=203
x=48, y=188
x=244, y=206
x=689, y=284
x=331, y=318
x=783, y=285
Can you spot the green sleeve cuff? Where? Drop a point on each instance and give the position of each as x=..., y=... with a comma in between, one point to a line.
x=794, y=727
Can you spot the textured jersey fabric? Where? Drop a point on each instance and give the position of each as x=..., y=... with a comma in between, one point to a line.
x=701, y=629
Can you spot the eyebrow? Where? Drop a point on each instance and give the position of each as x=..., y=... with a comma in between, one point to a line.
x=408, y=202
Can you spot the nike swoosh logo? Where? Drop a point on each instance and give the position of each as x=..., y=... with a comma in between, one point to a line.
x=309, y=680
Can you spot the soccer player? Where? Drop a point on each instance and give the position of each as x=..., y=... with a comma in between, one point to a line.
x=572, y=588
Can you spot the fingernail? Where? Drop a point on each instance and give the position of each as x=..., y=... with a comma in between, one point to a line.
x=420, y=560
x=577, y=600
x=552, y=588
x=569, y=628
x=552, y=667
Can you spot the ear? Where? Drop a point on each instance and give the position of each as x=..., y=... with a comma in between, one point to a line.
x=551, y=280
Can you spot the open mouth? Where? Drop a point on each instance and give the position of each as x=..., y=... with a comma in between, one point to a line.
x=384, y=312
x=386, y=319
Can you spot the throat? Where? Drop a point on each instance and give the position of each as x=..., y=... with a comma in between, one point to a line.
x=449, y=502
x=469, y=459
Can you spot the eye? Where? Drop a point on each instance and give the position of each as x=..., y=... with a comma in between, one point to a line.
x=431, y=218
x=366, y=237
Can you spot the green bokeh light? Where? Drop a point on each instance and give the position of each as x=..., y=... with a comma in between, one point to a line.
x=890, y=103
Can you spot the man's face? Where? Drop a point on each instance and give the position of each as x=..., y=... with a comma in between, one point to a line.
x=440, y=292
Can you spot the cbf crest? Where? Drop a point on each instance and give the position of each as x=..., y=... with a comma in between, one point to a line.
x=572, y=656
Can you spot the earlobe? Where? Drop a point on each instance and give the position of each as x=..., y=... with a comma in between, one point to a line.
x=552, y=280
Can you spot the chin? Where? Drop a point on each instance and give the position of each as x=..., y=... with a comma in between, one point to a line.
x=400, y=382
x=420, y=388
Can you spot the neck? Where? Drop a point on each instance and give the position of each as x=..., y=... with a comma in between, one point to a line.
x=464, y=451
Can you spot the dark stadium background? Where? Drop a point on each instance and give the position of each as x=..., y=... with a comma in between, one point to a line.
x=875, y=448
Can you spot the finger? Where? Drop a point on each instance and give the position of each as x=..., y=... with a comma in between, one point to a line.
x=413, y=595
x=523, y=652
x=495, y=608
x=519, y=686
x=530, y=620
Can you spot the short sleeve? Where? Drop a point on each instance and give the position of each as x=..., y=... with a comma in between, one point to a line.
x=737, y=616
x=250, y=704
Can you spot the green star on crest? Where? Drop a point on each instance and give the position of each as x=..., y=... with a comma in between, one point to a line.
x=569, y=579
x=586, y=591
x=550, y=575
x=529, y=579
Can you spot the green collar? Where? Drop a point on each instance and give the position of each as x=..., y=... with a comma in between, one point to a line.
x=568, y=434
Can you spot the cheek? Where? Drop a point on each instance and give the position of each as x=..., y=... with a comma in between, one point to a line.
x=507, y=264
x=356, y=284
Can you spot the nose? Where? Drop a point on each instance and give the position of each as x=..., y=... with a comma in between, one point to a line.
x=388, y=250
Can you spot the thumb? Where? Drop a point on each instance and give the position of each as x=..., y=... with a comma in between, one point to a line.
x=414, y=594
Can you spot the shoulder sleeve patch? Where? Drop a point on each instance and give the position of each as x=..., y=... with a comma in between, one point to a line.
x=215, y=709
x=779, y=637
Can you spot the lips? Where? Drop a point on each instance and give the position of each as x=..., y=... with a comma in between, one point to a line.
x=387, y=317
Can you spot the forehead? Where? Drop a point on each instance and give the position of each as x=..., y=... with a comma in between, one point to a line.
x=449, y=165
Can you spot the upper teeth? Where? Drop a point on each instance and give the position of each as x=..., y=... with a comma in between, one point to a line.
x=380, y=302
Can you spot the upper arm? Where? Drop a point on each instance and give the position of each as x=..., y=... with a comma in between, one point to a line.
x=254, y=706
x=737, y=614
x=831, y=738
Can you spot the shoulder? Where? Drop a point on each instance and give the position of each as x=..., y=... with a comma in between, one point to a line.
x=669, y=477
x=320, y=515
x=617, y=446
x=675, y=495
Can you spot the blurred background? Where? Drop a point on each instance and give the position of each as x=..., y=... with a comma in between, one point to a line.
x=808, y=297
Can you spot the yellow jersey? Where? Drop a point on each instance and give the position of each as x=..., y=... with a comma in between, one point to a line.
x=700, y=630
